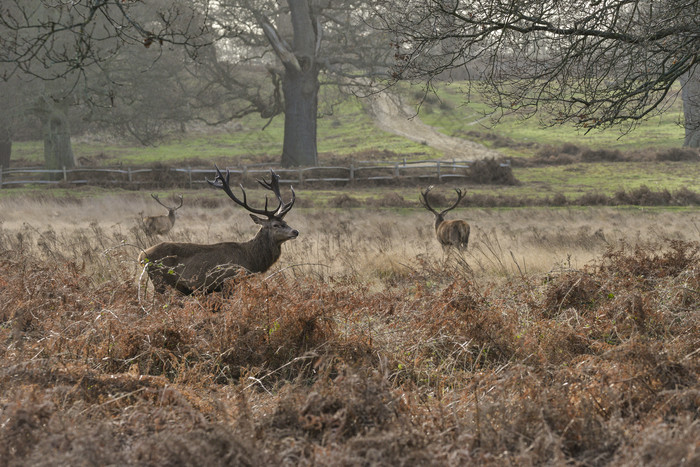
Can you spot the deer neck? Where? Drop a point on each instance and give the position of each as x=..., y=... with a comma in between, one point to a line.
x=265, y=251
x=171, y=217
x=438, y=220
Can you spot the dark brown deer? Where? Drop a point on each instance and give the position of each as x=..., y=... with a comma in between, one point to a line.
x=161, y=225
x=190, y=267
x=453, y=233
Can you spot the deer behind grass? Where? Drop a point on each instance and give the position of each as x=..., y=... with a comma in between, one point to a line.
x=161, y=225
x=452, y=233
x=189, y=267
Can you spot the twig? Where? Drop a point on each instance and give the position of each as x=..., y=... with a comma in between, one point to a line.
x=306, y=356
x=114, y=400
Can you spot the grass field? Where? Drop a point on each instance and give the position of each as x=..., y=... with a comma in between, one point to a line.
x=448, y=110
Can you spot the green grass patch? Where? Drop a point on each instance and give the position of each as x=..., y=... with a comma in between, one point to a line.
x=449, y=111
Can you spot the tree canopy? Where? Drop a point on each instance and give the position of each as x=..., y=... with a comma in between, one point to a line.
x=253, y=56
x=593, y=63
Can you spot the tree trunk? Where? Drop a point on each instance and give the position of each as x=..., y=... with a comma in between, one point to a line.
x=301, y=104
x=58, y=150
x=300, y=82
x=5, y=148
x=691, y=107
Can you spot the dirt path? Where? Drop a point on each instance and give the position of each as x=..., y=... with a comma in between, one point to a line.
x=395, y=117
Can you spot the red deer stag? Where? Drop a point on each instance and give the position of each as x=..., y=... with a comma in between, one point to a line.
x=190, y=266
x=449, y=233
x=161, y=224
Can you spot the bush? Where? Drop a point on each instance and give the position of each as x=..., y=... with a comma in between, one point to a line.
x=491, y=171
x=343, y=201
x=679, y=154
x=601, y=155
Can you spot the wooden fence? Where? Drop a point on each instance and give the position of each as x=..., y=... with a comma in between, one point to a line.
x=361, y=171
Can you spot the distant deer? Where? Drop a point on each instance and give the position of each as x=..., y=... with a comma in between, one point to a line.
x=161, y=224
x=190, y=266
x=454, y=233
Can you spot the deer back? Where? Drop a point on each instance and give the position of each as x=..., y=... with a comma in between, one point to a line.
x=453, y=233
x=159, y=224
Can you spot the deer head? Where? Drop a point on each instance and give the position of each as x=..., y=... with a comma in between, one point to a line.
x=274, y=218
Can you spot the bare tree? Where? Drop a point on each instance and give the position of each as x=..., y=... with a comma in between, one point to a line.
x=593, y=63
x=286, y=47
x=62, y=44
x=189, y=267
x=286, y=50
x=13, y=109
x=142, y=94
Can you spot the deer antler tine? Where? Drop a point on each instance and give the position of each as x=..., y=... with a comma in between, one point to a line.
x=424, y=200
x=218, y=176
x=285, y=208
x=273, y=184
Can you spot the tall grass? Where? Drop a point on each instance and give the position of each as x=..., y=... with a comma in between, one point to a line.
x=368, y=243
x=565, y=336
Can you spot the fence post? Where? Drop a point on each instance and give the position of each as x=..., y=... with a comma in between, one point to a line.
x=189, y=174
x=301, y=178
x=396, y=170
x=352, y=174
x=65, y=175
x=2, y=169
x=438, y=171
x=128, y=174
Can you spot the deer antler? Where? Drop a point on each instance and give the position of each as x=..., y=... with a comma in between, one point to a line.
x=426, y=204
x=155, y=197
x=460, y=195
x=424, y=200
x=273, y=185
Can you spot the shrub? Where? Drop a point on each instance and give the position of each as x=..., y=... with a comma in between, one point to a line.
x=343, y=201
x=601, y=155
x=678, y=154
x=491, y=171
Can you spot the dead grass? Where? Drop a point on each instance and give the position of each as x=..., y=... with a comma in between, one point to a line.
x=559, y=337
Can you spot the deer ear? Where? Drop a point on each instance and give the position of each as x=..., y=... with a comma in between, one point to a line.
x=256, y=219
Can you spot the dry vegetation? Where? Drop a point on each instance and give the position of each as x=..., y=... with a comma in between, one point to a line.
x=561, y=336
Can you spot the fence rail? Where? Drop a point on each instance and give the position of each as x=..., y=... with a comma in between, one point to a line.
x=361, y=171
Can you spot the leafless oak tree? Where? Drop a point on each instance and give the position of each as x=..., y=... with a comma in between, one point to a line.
x=267, y=56
x=594, y=63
